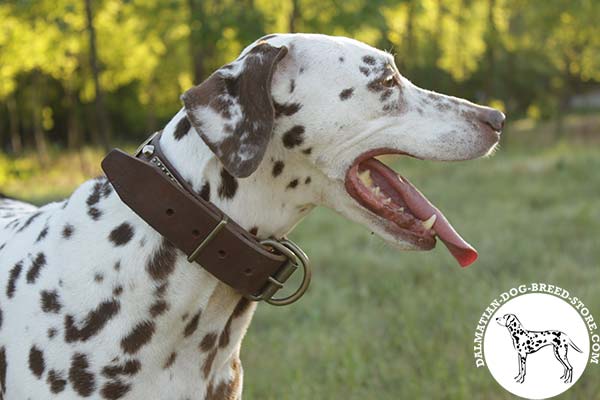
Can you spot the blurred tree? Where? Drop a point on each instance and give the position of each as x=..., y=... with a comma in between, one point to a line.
x=69, y=66
x=101, y=120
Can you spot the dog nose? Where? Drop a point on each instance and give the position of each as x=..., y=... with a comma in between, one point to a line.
x=494, y=118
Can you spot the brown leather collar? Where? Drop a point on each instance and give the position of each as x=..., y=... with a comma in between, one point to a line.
x=153, y=189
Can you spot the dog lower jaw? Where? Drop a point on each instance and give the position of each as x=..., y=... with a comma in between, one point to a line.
x=407, y=213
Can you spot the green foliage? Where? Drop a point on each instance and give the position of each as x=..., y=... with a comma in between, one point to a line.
x=519, y=55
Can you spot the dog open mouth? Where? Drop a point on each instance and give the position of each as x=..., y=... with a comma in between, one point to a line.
x=409, y=215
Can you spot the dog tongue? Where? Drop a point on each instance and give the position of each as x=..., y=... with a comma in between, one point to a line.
x=464, y=253
x=421, y=208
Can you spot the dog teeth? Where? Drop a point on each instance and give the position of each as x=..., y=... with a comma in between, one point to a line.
x=365, y=178
x=387, y=201
x=376, y=191
x=428, y=224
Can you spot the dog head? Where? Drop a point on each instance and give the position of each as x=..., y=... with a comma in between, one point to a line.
x=330, y=105
x=508, y=320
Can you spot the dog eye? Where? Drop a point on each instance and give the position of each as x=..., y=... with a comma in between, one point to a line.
x=389, y=81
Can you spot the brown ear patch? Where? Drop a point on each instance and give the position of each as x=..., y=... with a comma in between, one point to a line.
x=233, y=110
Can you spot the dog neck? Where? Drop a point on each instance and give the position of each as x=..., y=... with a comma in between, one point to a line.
x=204, y=320
x=269, y=203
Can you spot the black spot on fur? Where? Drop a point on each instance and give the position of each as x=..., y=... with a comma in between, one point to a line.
x=161, y=290
x=365, y=71
x=56, y=381
x=254, y=230
x=207, y=367
x=117, y=291
x=228, y=186
x=307, y=180
x=286, y=109
x=241, y=307
x=368, y=60
x=205, y=191
x=292, y=85
x=208, y=341
x=341, y=59
x=42, y=234
x=307, y=151
x=34, y=271
x=114, y=390
x=385, y=95
x=170, y=361
x=376, y=86
x=68, y=231
x=191, y=326
x=158, y=308
x=15, y=272
x=3, y=367
x=140, y=335
x=182, y=128
x=294, y=137
x=162, y=263
x=93, y=322
x=37, y=364
x=278, y=168
x=121, y=235
x=129, y=368
x=81, y=379
x=94, y=213
x=292, y=184
x=50, y=302
x=101, y=190
x=32, y=218
x=51, y=333
x=238, y=311
x=346, y=94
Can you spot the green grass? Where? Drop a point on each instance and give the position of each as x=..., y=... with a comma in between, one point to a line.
x=381, y=324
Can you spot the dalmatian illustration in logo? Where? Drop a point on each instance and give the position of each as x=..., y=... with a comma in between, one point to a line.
x=528, y=342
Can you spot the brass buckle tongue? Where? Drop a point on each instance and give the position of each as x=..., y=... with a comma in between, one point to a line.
x=296, y=259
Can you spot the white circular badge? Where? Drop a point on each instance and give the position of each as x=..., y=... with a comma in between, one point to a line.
x=536, y=346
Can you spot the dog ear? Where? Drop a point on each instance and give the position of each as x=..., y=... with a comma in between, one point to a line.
x=233, y=111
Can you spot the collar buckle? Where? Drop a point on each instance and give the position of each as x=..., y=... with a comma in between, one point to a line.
x=296, y=259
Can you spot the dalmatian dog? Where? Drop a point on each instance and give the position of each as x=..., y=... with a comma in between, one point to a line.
x=95, y=304
x=528, y=342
